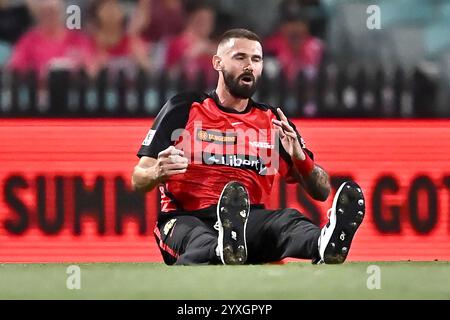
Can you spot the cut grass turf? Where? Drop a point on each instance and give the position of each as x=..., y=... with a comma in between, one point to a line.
x=399, y=280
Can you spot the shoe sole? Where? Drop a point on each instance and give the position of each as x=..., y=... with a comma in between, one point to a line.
x=349, y=204
x=232, y=213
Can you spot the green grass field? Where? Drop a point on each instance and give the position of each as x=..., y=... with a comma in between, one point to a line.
x=399, y=280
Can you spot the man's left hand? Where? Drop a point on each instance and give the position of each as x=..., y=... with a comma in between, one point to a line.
x=288, y=136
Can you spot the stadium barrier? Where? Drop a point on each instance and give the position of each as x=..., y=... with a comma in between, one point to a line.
x=66, y=193
x=330, y=92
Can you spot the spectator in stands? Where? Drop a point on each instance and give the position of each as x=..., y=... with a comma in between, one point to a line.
x=317, y=20
x=111, y=44
x=49, y=44
x=295, y=49
x=157, y=20
x=190, y=53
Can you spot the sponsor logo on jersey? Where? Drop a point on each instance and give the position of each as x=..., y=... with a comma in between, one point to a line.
x=148, y=139
x=216, y=136
x=236, y=161
x=168, y=226
x=261, y=145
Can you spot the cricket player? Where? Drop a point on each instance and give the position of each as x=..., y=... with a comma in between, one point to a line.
x=214, y=155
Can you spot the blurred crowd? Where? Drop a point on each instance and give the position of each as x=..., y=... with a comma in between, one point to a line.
x=174, y=36
x=320, y=57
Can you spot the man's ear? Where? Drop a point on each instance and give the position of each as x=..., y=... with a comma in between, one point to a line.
x=216, y=61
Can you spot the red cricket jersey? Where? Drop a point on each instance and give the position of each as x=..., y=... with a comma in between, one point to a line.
x=221, y=144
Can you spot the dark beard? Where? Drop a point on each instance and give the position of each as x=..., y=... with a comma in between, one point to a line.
x=238, y=90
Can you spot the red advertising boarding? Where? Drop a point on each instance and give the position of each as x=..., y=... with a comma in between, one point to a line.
x=66, y=194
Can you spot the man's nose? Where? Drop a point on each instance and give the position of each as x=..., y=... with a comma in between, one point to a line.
x=248, y=68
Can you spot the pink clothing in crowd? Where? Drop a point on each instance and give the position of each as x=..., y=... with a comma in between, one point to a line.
x=122, y=49
x=307, y=57
x=181, y=55
x=165, y=21
x=38, y=51
x=127, y=53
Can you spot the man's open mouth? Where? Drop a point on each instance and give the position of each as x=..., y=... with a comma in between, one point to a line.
x=247, y=79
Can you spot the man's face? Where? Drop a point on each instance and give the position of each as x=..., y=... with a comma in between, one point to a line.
x=48, y=13
x=241, y=65
x=202, y=22
x=110, y=14
x=295, y=32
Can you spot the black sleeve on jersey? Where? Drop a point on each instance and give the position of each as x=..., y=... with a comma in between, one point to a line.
x=173, y=115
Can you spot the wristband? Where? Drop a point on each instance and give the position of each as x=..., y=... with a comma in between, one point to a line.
x=304, y=167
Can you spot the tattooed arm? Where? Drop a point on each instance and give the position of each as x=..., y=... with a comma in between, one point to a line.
x=316, y=184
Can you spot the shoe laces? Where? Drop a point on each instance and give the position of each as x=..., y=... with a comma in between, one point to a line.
x=216, y=225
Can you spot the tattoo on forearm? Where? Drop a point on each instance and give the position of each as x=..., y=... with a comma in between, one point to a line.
x=318, y=183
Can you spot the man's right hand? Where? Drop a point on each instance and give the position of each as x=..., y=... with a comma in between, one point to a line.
x=150, y=172
x=170, y=162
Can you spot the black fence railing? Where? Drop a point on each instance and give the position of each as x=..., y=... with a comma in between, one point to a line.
x=331, y=93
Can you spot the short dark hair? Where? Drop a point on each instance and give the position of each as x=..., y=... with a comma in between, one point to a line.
x=239, y=34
